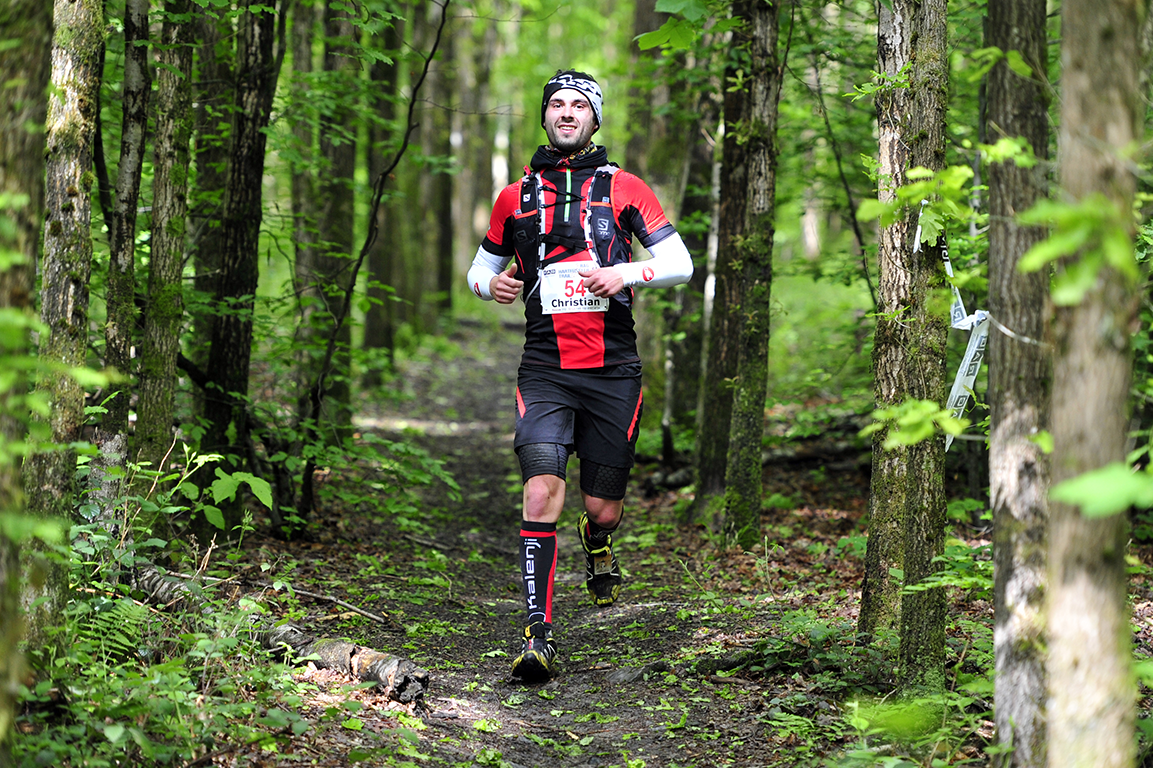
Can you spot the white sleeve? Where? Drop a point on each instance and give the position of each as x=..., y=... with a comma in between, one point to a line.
x=485, y=266
x=671, y=264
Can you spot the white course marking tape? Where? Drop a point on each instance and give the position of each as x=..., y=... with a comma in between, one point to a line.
x=977, y=323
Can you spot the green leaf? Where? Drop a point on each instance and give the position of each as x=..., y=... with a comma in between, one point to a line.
x=1053, y=247
x=114, y=732
x=897, y=574
x=353, y=724
x=260, y=488
x=1017, y=64
x=693, y=10
x=932, y=225
x=1106, y=491
x=872, y=209
x=1043, y=440
x=1072, y=283
x=224, y=486
x=214, y=516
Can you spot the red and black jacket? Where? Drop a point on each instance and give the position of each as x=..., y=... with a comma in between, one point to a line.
x=586, y=202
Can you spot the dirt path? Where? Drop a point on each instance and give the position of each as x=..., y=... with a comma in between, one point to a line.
x=642, y=683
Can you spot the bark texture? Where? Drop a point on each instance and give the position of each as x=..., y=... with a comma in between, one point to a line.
x=305, y=200
x=378, y=322
x=880, y=592
x=1091, y=687
x=754, y=134
x=165, y=307
x=923, y=613
x=906, y=497
x=231, y=346
x=24, y=69
x=715, y=415
x=213, y=83
x=907, y=500
x=1018, y=389
x=121, y=294
x=77, y=53
x=331, y=278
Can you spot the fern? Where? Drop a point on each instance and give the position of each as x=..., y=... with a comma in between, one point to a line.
x=115, y=627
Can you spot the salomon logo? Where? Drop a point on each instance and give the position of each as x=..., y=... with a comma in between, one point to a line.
x=603, y=227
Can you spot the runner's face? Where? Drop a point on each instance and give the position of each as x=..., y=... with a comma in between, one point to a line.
x=569, y=120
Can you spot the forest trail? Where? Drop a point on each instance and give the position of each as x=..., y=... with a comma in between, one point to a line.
x=642, y=683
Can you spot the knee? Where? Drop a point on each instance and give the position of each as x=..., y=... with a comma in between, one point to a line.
x=604, y=512
x=541, y=495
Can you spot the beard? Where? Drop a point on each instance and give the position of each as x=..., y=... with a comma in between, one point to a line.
x=569, y=143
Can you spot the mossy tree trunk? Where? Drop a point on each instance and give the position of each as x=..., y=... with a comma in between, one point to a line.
x=120, y=323
x=884, y=557
x=230, y=353
x=1019, y=374
x=165, y=303
x=49, y=476
x=923, y=613
x=755, y=131
x=1091, y=687
x=714, y=417
x=906, y=499
x=24, y=69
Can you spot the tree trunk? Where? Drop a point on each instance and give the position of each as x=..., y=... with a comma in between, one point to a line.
x=121, y=294
x=1018, y=389
x=165, y=304
x=231, y=340
x=443, y=93
x=71, y=124
x=906, y=500
x=305, y=199
x=112, y=436
x=24, y=68
x=378, y=321
x=214, y=101
x=715, y=416
x=1091, y=688
x=336, y=223
x=923, y=613
x=682, y=321
x=755, y=130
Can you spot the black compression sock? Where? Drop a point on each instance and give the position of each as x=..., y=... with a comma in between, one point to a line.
x=538, y=568
x=598, y=535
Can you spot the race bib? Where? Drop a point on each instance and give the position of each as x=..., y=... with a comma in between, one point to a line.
x=562, y=290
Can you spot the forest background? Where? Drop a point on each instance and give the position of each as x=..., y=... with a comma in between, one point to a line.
x=248, y=213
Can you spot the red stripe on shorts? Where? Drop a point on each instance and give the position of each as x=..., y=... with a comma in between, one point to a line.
x=636, y=414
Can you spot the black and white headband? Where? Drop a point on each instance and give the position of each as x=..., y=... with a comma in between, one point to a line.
x=578, y=82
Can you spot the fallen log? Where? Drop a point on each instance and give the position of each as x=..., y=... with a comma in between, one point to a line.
x=399, y=679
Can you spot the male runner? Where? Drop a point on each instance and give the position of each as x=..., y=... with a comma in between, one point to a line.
x=564, y=231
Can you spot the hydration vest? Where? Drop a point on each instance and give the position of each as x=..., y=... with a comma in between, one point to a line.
x=600, y=233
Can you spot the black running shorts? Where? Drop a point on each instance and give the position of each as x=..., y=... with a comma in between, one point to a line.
x=595, y=411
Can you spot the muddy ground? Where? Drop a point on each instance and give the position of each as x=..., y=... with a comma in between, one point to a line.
x=710, y=658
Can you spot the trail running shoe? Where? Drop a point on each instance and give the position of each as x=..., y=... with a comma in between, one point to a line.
x=602, y=573
x=534, y=665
